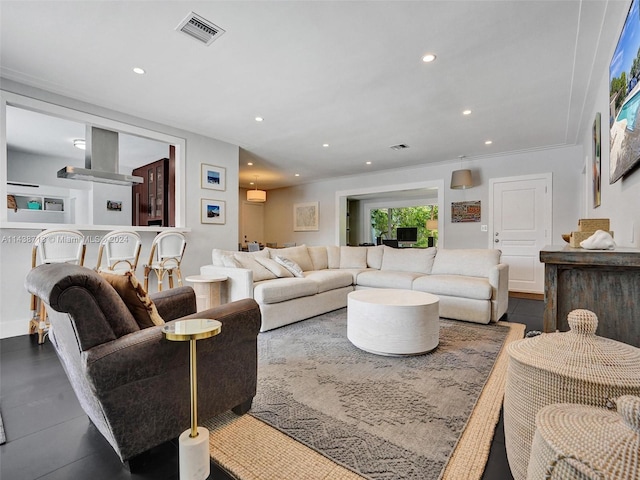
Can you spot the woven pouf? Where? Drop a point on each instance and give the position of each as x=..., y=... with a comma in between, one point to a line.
x=580, y=442
x=563, y=367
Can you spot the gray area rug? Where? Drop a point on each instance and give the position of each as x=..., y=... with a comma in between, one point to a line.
x=381, y=417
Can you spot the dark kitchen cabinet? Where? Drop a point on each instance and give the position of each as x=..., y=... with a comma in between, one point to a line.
x=151, y=199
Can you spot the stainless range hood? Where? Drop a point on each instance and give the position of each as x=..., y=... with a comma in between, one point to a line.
x=101, y=160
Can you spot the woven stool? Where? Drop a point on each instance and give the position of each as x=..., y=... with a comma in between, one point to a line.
x=580, y=442
x=569, y=367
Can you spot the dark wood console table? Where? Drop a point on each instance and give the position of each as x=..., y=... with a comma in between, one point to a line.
x=606, y=282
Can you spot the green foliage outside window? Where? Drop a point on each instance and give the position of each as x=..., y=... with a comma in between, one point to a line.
x=385, y=221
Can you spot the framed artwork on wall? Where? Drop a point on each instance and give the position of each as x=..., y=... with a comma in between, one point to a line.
x=212, y=211
x=596, y=162
x=305, y=217
x=466, y=212
x=624, y=94
x=212, y=177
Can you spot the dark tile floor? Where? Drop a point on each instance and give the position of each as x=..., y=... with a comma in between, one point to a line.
x=50, y=438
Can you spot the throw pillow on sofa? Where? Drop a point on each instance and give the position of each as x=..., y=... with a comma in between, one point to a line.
x=290, y=265
x=469, y=261
x=135, y=298
x=217, y=254
x=250, y=262
x=418, y=260
x=274, y=267
x=298, y=254
x=353, y=257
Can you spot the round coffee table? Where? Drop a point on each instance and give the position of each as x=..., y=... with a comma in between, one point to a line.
x=392, y=321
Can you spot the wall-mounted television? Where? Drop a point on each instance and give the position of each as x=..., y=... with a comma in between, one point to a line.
x=407, y=234
x=624, y=98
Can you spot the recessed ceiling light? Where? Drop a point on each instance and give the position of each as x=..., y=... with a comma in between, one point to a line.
x=259, y=119
x=429, y=57
x=466, y=112
x=139, y=71
x=368, y=163
x=296, y=175
x=80, y=143
x=250, y=164
x=325, y=145
x=488, y=142
x=251, y=183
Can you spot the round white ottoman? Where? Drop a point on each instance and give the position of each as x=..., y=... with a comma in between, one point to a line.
x=393, y=322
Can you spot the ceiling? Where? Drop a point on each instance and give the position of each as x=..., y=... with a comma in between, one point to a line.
x=344, y=73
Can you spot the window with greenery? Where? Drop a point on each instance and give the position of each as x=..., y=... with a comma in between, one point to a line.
x=385, y=221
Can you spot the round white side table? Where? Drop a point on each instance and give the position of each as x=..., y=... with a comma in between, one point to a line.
x=393, y=321
x=193, y=444
x=207, y=290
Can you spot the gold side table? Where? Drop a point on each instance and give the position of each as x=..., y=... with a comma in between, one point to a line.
x=193, y=443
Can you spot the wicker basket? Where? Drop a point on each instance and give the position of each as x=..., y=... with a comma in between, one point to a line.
x=593, y=224
x=580, y=442
x=570, y=367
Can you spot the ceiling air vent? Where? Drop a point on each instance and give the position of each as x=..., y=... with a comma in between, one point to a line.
x=400, y=146
x=199, y=28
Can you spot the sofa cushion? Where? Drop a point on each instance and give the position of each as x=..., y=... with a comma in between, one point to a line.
x=330, y=279
x=217, y=254
x=319, y=257
x=230, y=261
x=408, y=259
x=475, y=262
x=353, y=257
x=387, y=279
x=298, y=254
x=290, y=265
x=333, y=256
x=283, y=289
x=274, y=267
x=135, y=298
x=249, y=262
x=454, y=285
x=374, y=256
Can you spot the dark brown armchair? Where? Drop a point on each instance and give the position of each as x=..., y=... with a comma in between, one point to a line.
x=132, y=383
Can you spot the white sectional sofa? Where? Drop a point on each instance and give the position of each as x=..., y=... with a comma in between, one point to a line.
x=295, y=283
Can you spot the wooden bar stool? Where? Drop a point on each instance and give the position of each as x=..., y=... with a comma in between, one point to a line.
x=166, y=254
x=121, y=249
x=53, y=246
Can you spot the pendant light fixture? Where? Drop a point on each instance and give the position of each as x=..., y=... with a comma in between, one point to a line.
x=432, y=223
x=461, y=179
x=256, y=195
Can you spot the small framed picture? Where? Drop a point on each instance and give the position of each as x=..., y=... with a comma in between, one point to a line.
x=114, y=205
x=212, y=211
x=305, y=217
x=212, y=177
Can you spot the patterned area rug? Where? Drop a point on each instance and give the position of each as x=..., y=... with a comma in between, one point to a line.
x=380, y=417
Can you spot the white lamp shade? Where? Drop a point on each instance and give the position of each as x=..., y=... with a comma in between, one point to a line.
x=432, y=224
x=256, y=196
x=461, y=179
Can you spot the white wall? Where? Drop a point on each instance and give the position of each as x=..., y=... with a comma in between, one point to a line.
x=565, y=164
x=102, y=193
x=15, y=244
x=620, y=202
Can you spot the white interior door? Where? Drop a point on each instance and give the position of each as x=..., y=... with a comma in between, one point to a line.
x=252, y=222
x=520, y=226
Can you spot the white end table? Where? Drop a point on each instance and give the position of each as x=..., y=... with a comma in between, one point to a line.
x=193, y=443
x=207, y=290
